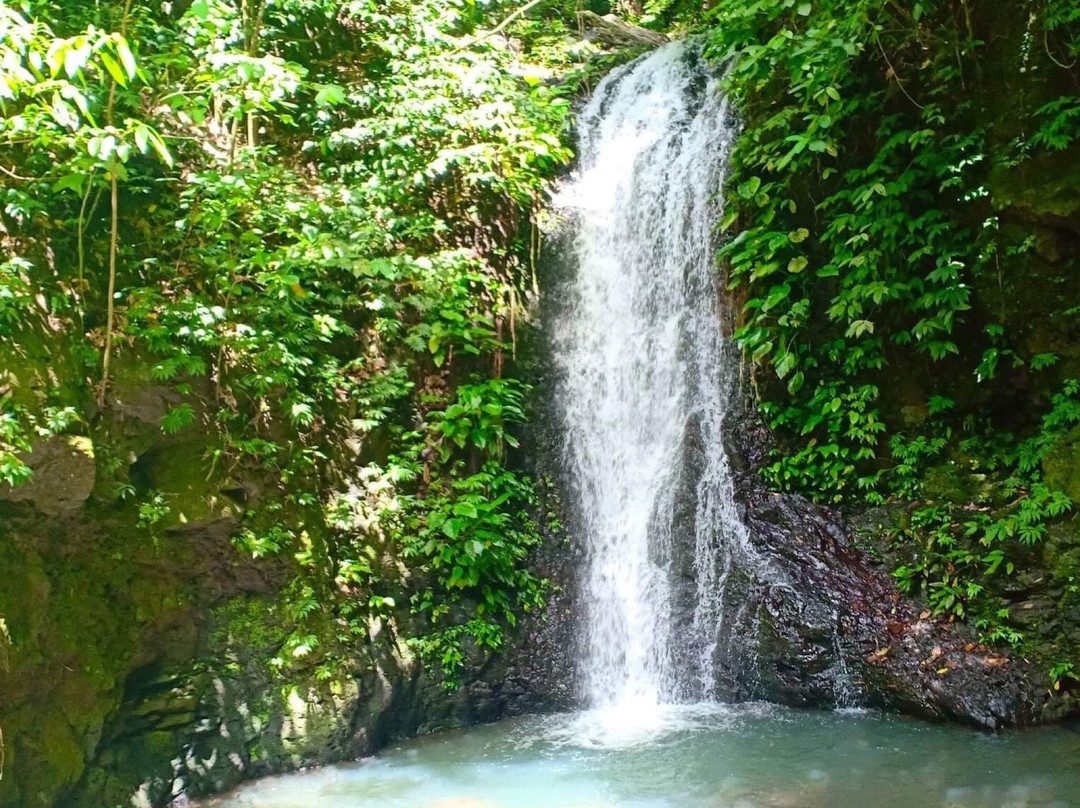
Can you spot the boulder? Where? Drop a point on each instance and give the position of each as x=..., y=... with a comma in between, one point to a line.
x=63, y=478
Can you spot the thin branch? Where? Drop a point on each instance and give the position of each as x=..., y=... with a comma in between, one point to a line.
x=1046, y=45
x=15, y=176
x=187, y=232
x=513, y=321
x=113, y=243
x=114, y=231
x=502, y=25
x=234, y=135
x=81, y=231
x=896, y=75
x=254, y=34
x=534, y=244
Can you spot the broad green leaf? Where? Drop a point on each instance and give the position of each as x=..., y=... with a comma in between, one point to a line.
x=749, y=188
x=127, y=58
x=159, y=146
x=113, y=67
x=330, y=95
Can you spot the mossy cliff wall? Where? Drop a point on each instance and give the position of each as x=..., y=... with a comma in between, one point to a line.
x=141, y=656
x=145, y=660
x=1033, y=293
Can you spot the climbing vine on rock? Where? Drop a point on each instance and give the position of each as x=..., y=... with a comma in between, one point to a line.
x=884, y=232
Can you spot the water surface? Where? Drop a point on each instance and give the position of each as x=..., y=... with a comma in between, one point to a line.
x=748, y=756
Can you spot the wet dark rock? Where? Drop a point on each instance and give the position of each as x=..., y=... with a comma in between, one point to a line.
x=812, y=619
x=537, y=673
x=820, y=624
x=1023, y=585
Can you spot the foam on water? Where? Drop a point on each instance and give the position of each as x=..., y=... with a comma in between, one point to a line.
x=628, y=724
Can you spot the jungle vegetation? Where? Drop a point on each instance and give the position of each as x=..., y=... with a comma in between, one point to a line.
x=313, y=223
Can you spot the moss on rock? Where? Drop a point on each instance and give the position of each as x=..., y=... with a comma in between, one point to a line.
x=1061, y=464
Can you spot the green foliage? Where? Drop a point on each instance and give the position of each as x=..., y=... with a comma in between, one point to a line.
x=13, y=441
x=863, y=214
x=18, y=429
x=154, y=511
x=1062, y=671
x=470, y=537
x=835, y=262
x=960, y=544
x=480, y=417
x=319, y=241
x=862, y=222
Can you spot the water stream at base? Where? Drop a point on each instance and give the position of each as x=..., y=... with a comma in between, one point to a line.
x=639, y=350
x=712, y=756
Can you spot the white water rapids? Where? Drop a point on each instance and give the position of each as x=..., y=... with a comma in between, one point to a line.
x=641, y=381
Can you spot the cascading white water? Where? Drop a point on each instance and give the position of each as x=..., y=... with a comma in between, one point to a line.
x=639, y=350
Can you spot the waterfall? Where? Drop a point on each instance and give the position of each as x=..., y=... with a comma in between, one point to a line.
x=641, y=380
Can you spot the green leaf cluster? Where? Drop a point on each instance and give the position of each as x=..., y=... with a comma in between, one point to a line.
x=867, y=233
x=312, y=223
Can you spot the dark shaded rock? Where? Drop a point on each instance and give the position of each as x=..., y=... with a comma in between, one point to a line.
x=538, y=672
x=819, y=624
x=147, y=404
x=189, y=703
x=1032, y=615
x=1023, y=585
x=89, y=610
x=203, y=726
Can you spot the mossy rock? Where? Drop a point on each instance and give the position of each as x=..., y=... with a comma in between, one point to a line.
x=1033, y=616
x=85, y=605
x=1064, y=562
x=1061, y=464
x=193, y=492
x=41, y=366
x=1062, y=536
x=1046, y=185
x=63, y=475
x=948, y=482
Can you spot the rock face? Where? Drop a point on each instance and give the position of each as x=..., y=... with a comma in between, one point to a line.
x=146, y=668
x=811, y=621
